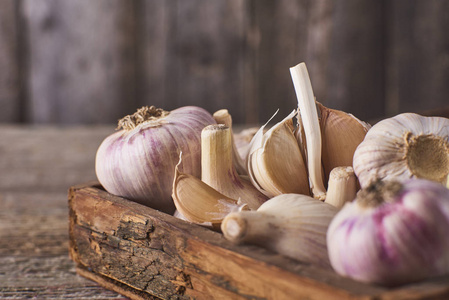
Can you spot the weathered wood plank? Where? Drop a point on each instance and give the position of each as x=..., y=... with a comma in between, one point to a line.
x=355, y=71
x=154, y=32
x=194, y=55
x=282, y=29
x=81, y=60
x=34, y=261
x=48, y=159
x=9, y=63
x=46, y=278
x=320, y=25
x=418, y=55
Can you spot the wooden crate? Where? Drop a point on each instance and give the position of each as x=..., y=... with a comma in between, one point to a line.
x=140, y=253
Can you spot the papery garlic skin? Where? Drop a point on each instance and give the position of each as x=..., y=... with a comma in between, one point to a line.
x=275, y=162
x=401, y=240
x=405, y=146
x=341, y=134
x=139, y=164
x=293, y=225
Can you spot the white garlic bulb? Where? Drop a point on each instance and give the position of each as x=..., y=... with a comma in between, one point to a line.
x=394, y=233
x=293, y=225
x=405, y=146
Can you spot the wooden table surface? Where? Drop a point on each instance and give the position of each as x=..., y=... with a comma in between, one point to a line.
x=37, y=166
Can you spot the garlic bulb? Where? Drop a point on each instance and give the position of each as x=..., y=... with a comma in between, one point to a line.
x=275, y=162
x=217, y=168
x=199, y=203
x=394, y=233
x=290, y=224
x=138, y=162
x=405, y=146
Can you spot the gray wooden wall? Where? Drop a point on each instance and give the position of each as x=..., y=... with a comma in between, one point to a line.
x=93, y=61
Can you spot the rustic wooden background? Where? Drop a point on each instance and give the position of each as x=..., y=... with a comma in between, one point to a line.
x=84, y=61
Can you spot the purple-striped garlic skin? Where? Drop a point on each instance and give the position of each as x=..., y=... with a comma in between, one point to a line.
x=139, y=164
x=405, y=239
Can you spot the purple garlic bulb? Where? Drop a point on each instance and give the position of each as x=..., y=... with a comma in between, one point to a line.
x=393, y=233
x=138, y=162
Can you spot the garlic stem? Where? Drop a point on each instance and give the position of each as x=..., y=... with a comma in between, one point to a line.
x=217, y=168
x=222, y=116
x=342, y=186
x=309, y=116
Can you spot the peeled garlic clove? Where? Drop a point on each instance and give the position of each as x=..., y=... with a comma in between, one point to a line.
x=342, y=186
x=394, y=233
x=217, y=168
x=275, y=163
x=199, y=203
x=222, y=116
x=341, y=133
x=309, y=117
x=405, y=146
x=290, y=224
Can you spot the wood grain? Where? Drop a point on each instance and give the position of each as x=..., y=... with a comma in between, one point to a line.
x=9, y=63
x=37, y=165
x=48, y=159
x=418, y=52
x=282, y=29
x=355, y=70
x=81, y=60
x=192, y=54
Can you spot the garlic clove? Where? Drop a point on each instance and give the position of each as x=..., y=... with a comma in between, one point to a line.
x=341, y=133
x=342, y=186
x=222, y=116
x=309, y=117
x=275, y=162
x=405, y=146
x=199, y=203
x=217, y=168
x=290, y=224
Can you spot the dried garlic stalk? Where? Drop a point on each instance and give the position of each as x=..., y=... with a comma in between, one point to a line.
x=309, y=117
